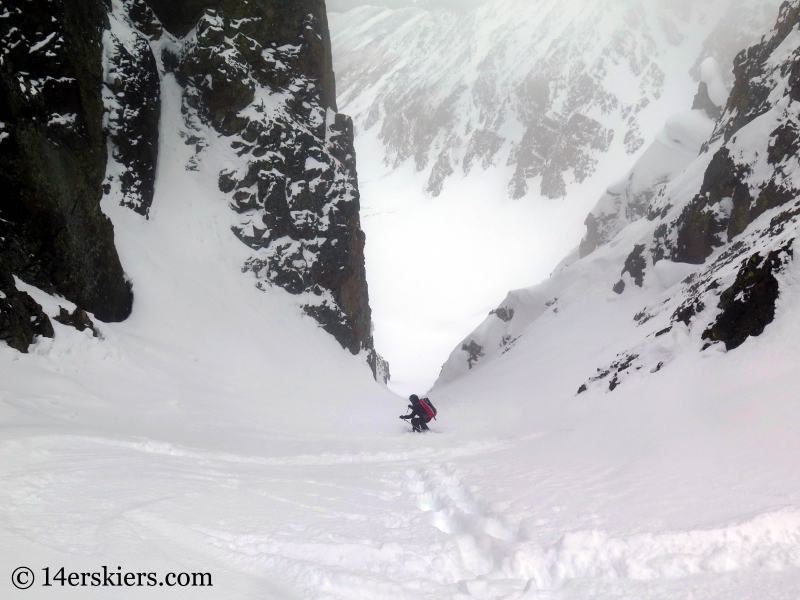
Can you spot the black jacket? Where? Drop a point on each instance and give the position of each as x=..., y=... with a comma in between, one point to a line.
x=417, y=412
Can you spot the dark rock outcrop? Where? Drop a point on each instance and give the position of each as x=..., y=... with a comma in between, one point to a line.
x=77, y=319
x=704, y=221
x=297, y=188
x=180, y=16
x=635, y=266
x=241, y=45
x=687, y=311
x=474, y=351
x=619, y=368
x=708, y=222
x=702, y=101
x=748, y=306
x=133, y=107
x=756, y=76
x=503, y=313
x=21, y=318
x=53, y=155
x=725, y=206
x=380, y=367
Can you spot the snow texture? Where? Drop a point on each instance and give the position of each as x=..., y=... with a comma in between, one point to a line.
x=218, y=430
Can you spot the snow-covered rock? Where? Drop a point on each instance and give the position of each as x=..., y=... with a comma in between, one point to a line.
x=21, y=318
x=53, y=155
x=264, y=80
x=707, y=264
x=258, y=75
x=546, y=87
x=674, y=148
x=132, y=99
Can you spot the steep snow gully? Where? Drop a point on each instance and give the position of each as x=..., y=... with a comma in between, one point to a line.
x=220, y=430
x=485, y=137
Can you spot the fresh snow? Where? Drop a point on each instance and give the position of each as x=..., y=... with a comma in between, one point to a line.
x=711, y=75
x=218, y=430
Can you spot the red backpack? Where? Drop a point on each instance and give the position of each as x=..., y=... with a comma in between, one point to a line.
x=428, y=408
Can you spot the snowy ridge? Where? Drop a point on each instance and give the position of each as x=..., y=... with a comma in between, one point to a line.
x=545, y=87
x=674, y=148
x=722, y=224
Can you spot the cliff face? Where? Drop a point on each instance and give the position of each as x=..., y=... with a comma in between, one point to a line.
x=80, y=118
x=53, y=155
x=132, y=99
x=260, y=73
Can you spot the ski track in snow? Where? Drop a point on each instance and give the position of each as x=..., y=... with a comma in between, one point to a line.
x=407, y=524
x=168, y=444
x=327, y=458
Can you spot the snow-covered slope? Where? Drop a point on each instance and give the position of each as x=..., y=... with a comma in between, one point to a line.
x=207, y=367
x=219, y=431
x=458, y=111
x=704, y=266
x=173, y=446
x=182, y=442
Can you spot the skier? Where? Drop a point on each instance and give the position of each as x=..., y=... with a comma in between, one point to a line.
x=421, y=414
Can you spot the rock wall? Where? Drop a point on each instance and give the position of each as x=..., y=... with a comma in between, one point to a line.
x=132, y=99
x=21, y=318
x=260, y=73
x=53, y=155
x=754, y=166
x=79, y=117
